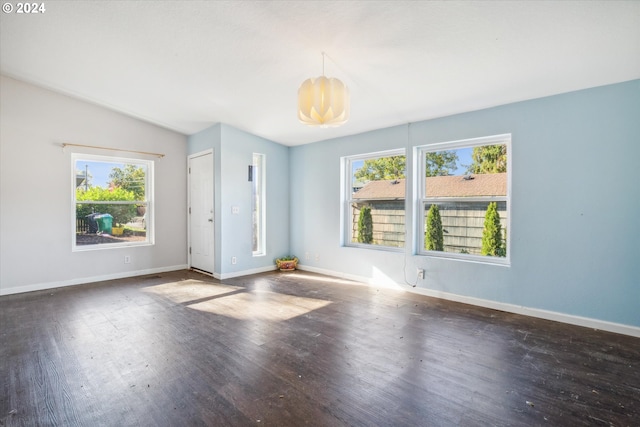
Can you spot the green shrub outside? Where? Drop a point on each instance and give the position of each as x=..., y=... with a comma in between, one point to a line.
x=121, y=214
x=365, y=226
x=492, y=233
x=434, y=238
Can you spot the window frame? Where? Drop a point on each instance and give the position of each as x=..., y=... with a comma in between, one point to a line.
x=148, y=201
x=259, y=188
x=421, y=200
x=346, y=193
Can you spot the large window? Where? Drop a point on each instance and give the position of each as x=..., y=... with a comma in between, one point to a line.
x=463, y=204
x=112, y=202
x=257, y=204
x=374, y=197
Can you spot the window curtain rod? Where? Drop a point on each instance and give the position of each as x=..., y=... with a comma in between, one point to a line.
x=159, y=155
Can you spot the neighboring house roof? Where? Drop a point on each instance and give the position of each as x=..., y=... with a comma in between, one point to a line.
x=492, y=184
x=439, y=186
x=386, y=189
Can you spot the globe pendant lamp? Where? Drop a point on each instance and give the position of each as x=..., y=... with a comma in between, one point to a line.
x=323, y=101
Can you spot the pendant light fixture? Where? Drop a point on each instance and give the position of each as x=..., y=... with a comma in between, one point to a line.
x=323, y=101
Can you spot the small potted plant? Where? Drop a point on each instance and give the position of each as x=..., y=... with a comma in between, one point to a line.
x=287, y=263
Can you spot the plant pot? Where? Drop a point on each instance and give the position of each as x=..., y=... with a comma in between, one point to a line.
x=287, y=265
x=117, y=231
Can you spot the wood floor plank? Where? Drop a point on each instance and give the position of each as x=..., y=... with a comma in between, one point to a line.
x=284, y=349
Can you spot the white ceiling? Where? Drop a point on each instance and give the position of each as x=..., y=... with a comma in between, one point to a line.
x=186, y=65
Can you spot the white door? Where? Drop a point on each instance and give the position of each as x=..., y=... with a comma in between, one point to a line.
x=201, y=230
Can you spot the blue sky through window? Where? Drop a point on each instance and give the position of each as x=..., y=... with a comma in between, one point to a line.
x=464, y=160
x=98, y=171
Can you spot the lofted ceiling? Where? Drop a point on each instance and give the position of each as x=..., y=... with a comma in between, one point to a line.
x=187, y=65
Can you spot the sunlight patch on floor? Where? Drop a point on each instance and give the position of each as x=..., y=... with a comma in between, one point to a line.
x=190, y=290
x=260, y=305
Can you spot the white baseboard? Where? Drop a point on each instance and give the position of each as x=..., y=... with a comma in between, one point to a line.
x=222, y=276
x=586, y=322
x=84, y=280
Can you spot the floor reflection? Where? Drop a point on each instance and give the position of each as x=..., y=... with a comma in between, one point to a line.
x=235, y=301
x=190, y=290
x=263, y=305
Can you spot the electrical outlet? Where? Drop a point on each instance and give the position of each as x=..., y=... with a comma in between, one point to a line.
x=234, y=260
x=127, y=259
x=235, y=209
x=307, y=256
x=421, y=273
x=317, y=257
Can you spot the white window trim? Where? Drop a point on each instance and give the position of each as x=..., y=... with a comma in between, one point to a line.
x=262, y=238
x=420, y=199
x=150, y=211
x=346, y=191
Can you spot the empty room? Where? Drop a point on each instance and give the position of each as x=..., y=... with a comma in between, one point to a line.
x=327, y=213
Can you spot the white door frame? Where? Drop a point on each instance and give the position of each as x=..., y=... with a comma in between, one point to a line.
x=189, y=158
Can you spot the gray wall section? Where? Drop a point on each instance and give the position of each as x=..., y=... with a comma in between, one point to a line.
x=36, y=189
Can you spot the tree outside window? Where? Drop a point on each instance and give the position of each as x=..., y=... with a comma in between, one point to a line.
x=111, y=197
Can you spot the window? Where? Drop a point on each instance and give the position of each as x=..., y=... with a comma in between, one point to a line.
x=112, y=202
x=463, y=204
x=374, y=198
x=257, y=204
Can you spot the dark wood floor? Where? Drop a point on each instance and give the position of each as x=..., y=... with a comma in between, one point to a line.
x=299, y=349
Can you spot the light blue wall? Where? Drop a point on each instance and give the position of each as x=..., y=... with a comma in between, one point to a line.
x=574, y=213
x=233, y=152
x=211, y=138
x=237, y=153
x=315, y=203
x=205, y=140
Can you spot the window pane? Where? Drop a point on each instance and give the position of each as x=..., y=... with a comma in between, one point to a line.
x=377, y=201
x=465, y=198
x=109, y=223
x=378, y=223
x=466, y=172
x=257, y=201
x=111, y=201
x=458, y=227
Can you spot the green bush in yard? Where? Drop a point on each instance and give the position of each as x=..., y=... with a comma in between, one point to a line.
x=434, y=238
x=121, y=214
x=365, y=226
x=492, y=244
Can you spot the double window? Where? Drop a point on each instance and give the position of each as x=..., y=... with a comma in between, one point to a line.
x=462, y=199
x=112, y=202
